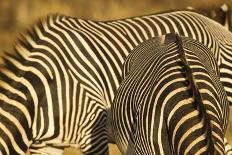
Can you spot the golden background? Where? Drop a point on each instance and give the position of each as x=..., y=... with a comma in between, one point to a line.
x=17, y=15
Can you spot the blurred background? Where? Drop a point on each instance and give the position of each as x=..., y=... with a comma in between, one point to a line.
x=17, y=15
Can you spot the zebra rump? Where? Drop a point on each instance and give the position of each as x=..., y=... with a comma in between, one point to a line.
x=171, y=100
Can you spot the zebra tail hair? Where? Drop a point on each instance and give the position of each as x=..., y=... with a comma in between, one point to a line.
x=197, y=96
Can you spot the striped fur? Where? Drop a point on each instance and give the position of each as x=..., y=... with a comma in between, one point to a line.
x=62, y=79
x=171, y=100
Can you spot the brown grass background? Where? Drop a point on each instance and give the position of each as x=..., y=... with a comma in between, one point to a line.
x=16, y=15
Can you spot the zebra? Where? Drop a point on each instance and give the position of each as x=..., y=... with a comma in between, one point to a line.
x=220, y=14
x=171, y=100
x=58, y=84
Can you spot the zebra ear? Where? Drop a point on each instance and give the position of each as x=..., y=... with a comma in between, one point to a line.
x=220, y=14
x=225, y=7
x=225, y=10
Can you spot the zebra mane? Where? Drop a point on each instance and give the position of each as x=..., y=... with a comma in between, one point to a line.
x=21, y=45
x=21, y=38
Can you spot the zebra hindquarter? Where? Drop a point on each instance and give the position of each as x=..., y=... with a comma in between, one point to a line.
x=156, y=110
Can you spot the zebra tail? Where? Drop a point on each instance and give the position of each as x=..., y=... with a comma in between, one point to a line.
x=197, y=96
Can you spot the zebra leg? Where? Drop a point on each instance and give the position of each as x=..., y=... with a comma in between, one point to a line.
x=92, y=133
x=229, y=127
x=46, y=150
x=228, y=148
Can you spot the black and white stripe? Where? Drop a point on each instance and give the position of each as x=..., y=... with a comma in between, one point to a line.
x=171, y=100
x=66, y=71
